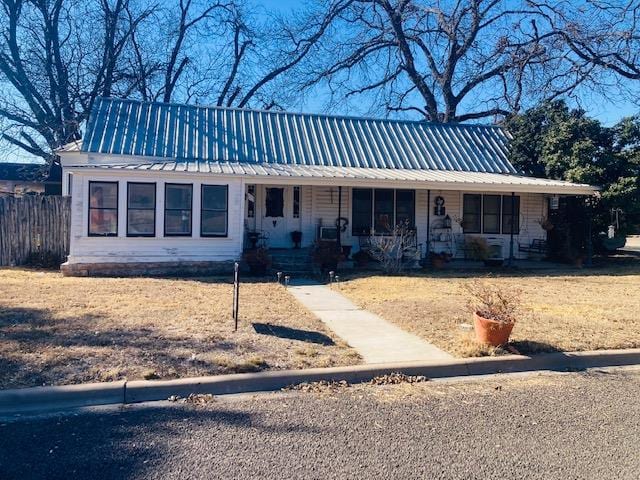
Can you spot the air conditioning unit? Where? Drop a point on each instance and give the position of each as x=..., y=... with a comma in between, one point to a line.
x=328, y=234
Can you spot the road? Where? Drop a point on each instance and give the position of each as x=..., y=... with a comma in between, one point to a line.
x=546, y=426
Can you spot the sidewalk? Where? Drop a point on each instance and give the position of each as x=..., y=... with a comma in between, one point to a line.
x=375, y=339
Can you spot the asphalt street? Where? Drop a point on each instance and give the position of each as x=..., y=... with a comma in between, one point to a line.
x=544, y=426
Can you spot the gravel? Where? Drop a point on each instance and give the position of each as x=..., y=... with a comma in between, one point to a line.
x=549, y=426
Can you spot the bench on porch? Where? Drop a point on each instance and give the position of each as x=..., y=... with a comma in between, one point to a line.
x=537, y=245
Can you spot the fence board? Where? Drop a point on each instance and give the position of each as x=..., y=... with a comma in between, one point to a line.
x=33, y=224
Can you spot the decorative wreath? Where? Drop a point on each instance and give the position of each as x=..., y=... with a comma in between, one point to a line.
x=341, y=224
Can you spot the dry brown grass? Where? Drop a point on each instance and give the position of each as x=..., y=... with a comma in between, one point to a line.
x=62, y=330
x=564, y=310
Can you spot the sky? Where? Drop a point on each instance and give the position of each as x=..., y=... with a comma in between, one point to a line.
x=606, y=110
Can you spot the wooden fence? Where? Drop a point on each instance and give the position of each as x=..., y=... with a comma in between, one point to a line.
x=33, y=225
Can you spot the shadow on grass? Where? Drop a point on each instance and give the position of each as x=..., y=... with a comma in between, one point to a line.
x=279, y=331
x=36, y=348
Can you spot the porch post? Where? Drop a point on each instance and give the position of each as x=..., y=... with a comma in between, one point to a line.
x=427, y=245
x=513, y=210
x=339, y=223
x=589, y=203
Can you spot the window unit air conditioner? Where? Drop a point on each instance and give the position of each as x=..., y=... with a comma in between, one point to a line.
x=328, y=234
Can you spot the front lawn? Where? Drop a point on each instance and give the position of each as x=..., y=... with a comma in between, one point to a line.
x=61, y=330
x=565, y=309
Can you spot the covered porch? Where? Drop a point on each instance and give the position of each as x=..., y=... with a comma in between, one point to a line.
x=447, y=211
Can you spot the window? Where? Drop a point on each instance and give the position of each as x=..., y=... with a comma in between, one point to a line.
x=141, y=209
x=251, y=201
x=405, y=207
x=491, y=208
x=383, y=212
x=496, y=214
x=274, y=202
x=296, y=202
x=471, y=207
x=362, y=211
x=381, y=208
x=178, y=200
x=213, y=214
x=69, y=184
x=510, y=216
x=103, y=209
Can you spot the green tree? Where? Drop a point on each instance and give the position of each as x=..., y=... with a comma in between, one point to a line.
x=552, y=140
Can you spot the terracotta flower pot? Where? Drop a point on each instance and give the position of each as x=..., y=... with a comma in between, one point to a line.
x=437, y=262
x=491, y=332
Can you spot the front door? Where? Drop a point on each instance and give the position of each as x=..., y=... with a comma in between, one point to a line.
x=280, y=214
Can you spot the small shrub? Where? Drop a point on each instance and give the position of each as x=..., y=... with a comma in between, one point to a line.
x=478, y=248
x=361, y=257
x=258, y=260
x=327, y=256
x=494, y=302
x=44, y=259
x=391, y=249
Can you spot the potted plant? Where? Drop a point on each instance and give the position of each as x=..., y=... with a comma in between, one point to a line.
x=495, y=310
x=296, y=238
x=438, y=260
x=258, y=260
x=362, y=258
x=546, y=224
x=327, y=256
x=253, y=238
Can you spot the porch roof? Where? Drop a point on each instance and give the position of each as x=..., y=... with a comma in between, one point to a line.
x=354, y=176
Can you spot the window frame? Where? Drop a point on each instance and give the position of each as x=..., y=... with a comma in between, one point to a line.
x=190, y=234
x=155, y=208
x=267, y=198
x=372, y=218
x=498, y=231
x=354, y=232
x=251, y=204
x=117, y=209
x=226, y=211
x=503, y=199
x=295, y=202
x=507, y=199
x=464, y=229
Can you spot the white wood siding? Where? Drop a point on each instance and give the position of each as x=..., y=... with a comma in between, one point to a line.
x=85, y=249
x=319, y=206
x=324, y=211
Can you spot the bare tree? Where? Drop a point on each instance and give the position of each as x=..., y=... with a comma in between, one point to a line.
x=226, y=54
x=604, y=34
x=447, y=60
x=52, y=66
x=57, y=56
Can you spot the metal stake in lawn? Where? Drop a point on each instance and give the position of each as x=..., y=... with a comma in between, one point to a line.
x=236, y=294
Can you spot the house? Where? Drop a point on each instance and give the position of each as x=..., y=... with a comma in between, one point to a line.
x=163, y=187
x=17, y=179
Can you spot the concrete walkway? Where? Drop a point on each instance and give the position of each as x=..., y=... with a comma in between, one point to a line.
x=375, y=339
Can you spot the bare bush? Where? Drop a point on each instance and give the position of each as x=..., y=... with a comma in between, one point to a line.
x=393, y=248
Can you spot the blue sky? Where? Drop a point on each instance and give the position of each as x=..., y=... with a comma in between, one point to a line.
x=606, y=110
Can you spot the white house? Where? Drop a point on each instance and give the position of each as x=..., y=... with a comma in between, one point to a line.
x=158, y=187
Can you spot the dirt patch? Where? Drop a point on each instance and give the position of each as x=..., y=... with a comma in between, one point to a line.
x=62, y=330
x=564, y=310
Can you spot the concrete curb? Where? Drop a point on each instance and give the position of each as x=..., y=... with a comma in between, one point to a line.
x=38, y=399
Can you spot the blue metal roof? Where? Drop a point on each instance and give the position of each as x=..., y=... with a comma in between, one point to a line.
x=215, y=134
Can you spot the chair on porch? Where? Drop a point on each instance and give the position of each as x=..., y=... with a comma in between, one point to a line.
x=537, y=246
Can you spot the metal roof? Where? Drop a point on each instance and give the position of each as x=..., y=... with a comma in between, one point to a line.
x=215, y=134
x=354, y=176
